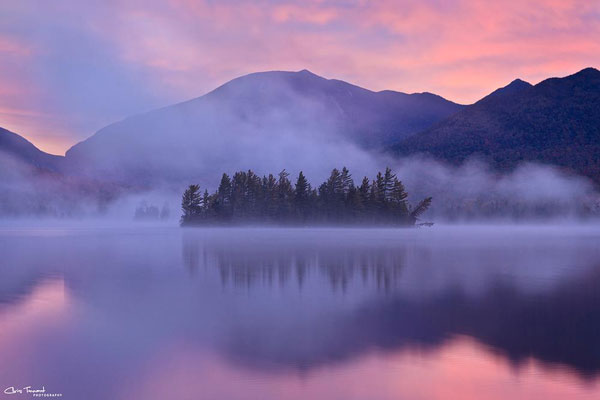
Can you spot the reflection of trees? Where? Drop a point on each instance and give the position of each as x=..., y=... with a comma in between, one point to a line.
x=266, y=264
x=558, y=327
x=191, y=255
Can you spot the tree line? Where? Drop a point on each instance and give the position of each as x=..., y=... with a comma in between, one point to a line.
x=247, y=198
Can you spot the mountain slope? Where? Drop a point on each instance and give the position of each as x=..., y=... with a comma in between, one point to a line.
x=556, y=121
x=18, y=149
x=32, y=183
x=268, y=119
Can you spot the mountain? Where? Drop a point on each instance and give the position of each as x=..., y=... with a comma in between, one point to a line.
x=506, y=92
x=555, y=122
x=34, y=183
x=269, y=119
x=16, y=149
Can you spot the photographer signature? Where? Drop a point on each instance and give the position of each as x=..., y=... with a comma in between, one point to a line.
x=30, y=390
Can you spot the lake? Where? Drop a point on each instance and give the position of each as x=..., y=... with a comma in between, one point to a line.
x=151, y=312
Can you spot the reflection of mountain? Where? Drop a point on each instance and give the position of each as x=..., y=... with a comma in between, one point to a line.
x=559, y=327
x=560, y=324
x=272, y=299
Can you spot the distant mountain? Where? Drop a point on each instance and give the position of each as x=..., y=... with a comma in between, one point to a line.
x=18, y=149
x=506, y=92
x=34, y=183
x=556, y=122
x=268, y=119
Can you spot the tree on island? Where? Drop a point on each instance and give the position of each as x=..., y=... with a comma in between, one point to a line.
x=191, y=204
x=247, y=198
x=147, y=211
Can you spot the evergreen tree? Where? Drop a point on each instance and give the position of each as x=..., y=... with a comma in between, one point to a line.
x=333, y=195
x=398, y=198
x=419, y=209
x=247, y=197
x=355, y=204
x=223, y=199
x=301, y=196
x=346, y=178
x=364, y=191
x=335, y=184
x=285, y=195
x=377, y=196
x=206, y=203
x=388, y=183
x=191, y=202
x=271, y=197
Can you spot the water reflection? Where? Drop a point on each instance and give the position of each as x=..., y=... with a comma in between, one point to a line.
x=303, y=313
x=559, y=324
x=270, y=264
x=462, y=369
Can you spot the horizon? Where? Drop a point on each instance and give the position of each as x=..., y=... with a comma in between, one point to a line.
x=74, y=68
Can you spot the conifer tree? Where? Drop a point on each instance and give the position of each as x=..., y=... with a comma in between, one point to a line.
x=364, y=192
x=419, y=209
x=398, y=198
x=388, y=183
x=223, y=200
x=191, y=202
x=346, y=178
x=377, y=196
x=285, y=195
x=246, y=197
x=271, y=196
x=206, y=203
x=301, y=196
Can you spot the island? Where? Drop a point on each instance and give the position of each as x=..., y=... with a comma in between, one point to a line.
x=246, y=198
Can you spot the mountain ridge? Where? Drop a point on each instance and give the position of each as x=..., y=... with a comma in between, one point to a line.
x=503, y=127
x=556, y=121
x=269, y=106
x=19, y=148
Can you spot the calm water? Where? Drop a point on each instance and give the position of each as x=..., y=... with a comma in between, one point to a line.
x=168, y=313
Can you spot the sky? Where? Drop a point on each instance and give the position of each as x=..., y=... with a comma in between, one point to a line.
x=71, y=67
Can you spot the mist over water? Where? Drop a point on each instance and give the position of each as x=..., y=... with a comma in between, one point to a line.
x=470, y=192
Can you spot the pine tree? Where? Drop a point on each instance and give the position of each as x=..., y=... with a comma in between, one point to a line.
x=223, y=202
x=285, y=195
x=416, y=212
x=301, y=194
x=206, y=204
x=271, y=196
x=398, y=196
x=255, y=194
x=377, y=196
x=388, y=182
x=247, y=197
x=191, y=202
x=346, y=179
x=335, y=184
x=364, y=192
x=355, y=204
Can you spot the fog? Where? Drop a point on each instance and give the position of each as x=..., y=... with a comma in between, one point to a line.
x=267, y=123
x=471, y=192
